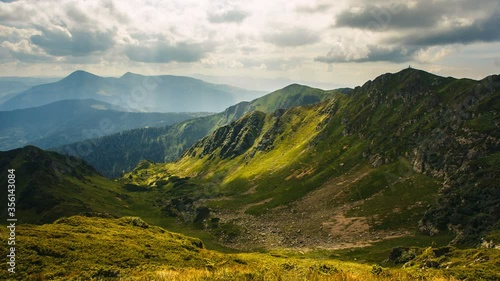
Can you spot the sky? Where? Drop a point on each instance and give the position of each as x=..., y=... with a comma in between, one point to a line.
x=252, y=44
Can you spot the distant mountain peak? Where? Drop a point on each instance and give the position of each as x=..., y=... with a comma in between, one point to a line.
x=406, y=77
x=78, y=75
x=294, y=86
x=129, y=74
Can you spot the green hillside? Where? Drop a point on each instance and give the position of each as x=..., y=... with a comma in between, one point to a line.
x=50, y=186
x=99, y=248
x=394, y=180
x=115, y=154
x=390, y=159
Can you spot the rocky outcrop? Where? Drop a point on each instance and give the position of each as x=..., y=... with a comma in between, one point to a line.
x=231, y=140
x=447, y=128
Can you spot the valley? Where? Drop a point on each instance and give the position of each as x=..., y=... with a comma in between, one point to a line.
x=396, y=179
x=83, y=119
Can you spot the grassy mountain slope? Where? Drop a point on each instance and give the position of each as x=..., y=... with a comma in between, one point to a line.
x=50, y=186
x=290, y=96
x=369, y=164
x=165, y=93
x=95, y=245
x=69, y=121
x=98, y=248
x=114, y=154
x=364, y=176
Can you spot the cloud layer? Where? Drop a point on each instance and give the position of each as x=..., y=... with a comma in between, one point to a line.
x=405, y=29
x=295, y=37
x=163, y=52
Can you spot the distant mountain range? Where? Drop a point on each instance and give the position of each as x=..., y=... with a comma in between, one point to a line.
x=10, y=86
x=165, y=93
x=114, y=154
x=69, y=121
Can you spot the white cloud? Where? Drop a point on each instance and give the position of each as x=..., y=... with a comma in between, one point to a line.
x=433, y=54
x=292, y=37
x=228, y=16
x=164, y=52
x=253, y=37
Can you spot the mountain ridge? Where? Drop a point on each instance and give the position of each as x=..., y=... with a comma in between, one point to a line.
x=168, y=143
x=159, y=93
x=411, y=133
x=68, y=121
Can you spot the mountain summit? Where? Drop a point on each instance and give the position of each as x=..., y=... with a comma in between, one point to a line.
x=78, y=75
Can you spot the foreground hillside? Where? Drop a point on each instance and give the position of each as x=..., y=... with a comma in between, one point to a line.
x=50, y=186
x=407, y=154
x=101, y=248
x=115, y=154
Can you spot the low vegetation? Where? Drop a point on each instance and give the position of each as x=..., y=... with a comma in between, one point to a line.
x=100, y=248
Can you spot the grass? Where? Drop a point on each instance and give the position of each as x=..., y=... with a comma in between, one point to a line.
x=394, y=192
x=378, y=252
x=94, y=247
x=97, y=248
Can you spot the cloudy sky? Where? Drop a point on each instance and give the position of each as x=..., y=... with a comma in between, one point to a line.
x=323, y=43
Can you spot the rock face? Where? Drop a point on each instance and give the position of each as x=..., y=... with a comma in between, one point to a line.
x=449, y=129
x=231, y=140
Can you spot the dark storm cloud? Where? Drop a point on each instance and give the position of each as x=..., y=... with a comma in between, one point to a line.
x=163, y=52
x=429, y=23
x=375, y=54
x=407, y=29
x=485, y=30
x=231, y=16
x=60, y=42
x=31, y=58
x=292, y=37
x=393, y=16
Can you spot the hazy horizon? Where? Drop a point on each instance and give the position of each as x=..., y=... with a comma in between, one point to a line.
x=250, y=83
x=320, y=43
